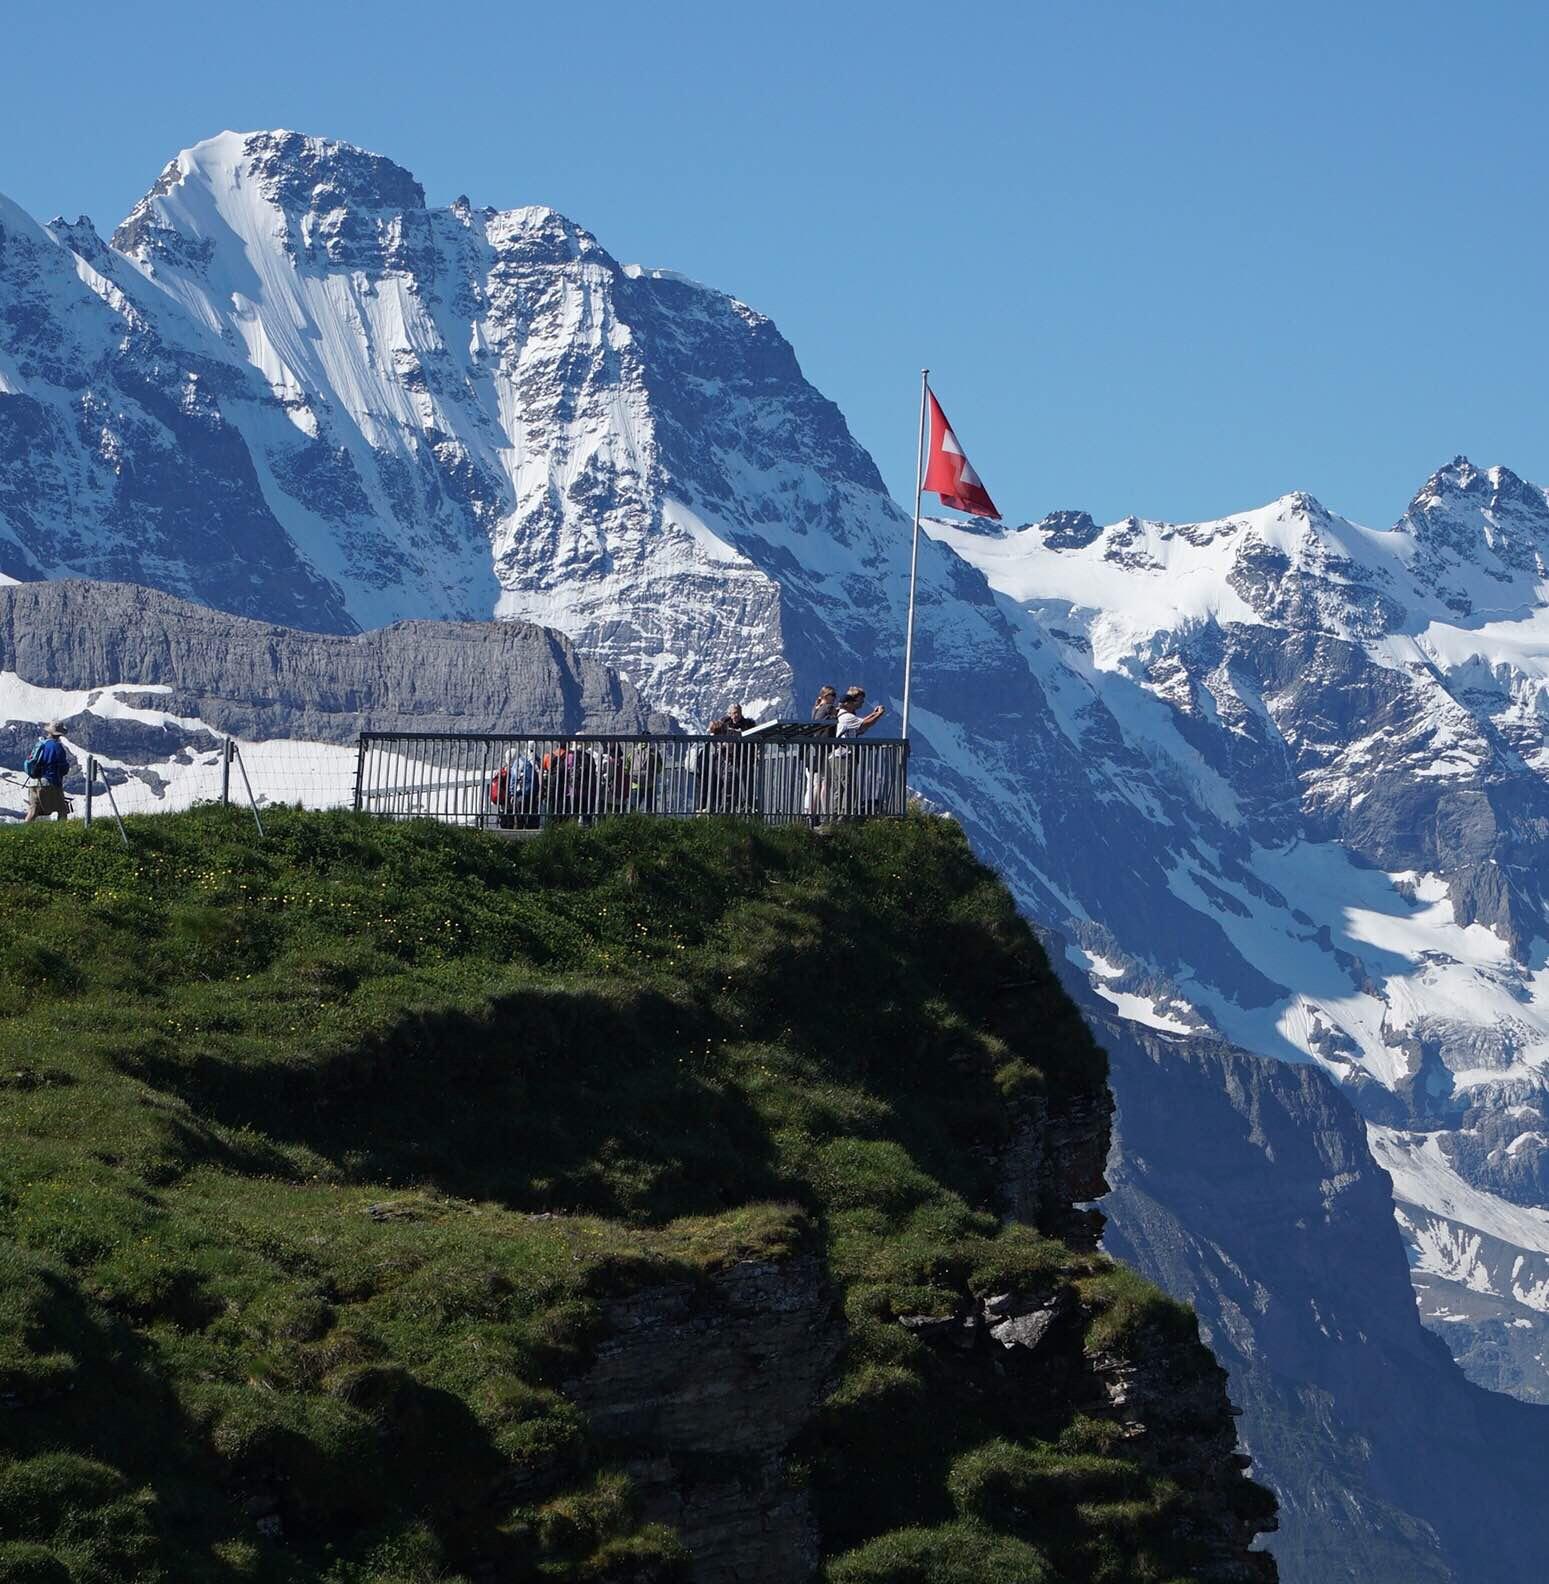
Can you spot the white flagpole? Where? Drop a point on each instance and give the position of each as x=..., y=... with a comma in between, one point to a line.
x=914, y=549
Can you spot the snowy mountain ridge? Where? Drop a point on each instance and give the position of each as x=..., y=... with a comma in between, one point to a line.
x=1472, y=550
x=1361, y=714
x=417, y=350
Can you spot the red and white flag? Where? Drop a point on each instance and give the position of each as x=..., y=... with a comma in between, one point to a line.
x=949, y=473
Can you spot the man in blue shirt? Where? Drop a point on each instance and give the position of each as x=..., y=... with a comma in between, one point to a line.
x=49, y=763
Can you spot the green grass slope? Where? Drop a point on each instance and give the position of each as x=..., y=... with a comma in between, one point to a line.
x=321, y=1155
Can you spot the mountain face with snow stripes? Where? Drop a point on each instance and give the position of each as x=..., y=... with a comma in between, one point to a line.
x=1276, y=779
x=384, y=410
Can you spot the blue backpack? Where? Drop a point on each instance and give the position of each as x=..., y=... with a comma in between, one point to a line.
x=41, y=758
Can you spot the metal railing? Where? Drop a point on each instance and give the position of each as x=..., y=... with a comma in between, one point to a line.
x=526, y=783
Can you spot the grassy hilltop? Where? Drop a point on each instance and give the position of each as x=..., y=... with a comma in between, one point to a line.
x=321, y=1155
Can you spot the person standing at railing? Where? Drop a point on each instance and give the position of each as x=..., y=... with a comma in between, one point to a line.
x=613, y=767
x=643, y=766
x=738, y=777
x=586, y=782
x=552, y=778
x=514, y=792
x=712, y=768
x=528, y=792
x=570, y=782
x=825, y=711
x=849, y=725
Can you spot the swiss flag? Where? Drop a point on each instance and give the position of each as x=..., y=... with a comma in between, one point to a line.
x=949, y=473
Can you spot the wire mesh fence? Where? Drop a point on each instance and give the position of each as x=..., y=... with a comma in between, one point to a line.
x=208, y=769
x=313, y=775
x=525, y=783
x=211, y=770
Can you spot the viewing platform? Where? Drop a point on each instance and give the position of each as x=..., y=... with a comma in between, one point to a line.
x=786, y=772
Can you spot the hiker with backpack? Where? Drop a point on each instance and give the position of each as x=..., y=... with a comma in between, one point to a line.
x=48, y=764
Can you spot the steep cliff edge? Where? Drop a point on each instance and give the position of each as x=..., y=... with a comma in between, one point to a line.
x=685, y=1201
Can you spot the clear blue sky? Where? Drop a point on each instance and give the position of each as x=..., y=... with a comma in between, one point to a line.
x=1173, y=258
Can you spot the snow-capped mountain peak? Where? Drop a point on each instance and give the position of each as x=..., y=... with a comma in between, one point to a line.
x=228, y=178
x=454, y=412
x=1467, y=522
x=1291, y=561
x=1350, y=725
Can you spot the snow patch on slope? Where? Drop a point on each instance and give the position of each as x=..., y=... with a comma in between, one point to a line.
x=1424, y=1177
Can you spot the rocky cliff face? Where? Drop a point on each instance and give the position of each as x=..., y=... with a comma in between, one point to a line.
x=708, y=1393
x=711, y=1389
x=256, y=680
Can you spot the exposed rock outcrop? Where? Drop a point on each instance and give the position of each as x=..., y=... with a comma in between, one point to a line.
x=1167, y=1395
x=257, y=680
x=702, y=1390
x=1054, y=1164
x=1172, y=1398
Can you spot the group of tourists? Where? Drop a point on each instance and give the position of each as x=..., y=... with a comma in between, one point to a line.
x=576, y=781
x=723, y=775
x=726, y=767
x=832, y=789
x=845, y=713
x=728, y=772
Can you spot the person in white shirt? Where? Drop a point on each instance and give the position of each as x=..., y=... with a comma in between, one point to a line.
x=849, y=725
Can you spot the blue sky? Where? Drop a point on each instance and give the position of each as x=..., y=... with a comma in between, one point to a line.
x=1168, y=258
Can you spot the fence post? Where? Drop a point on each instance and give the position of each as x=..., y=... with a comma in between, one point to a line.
x=118, y=819
x=360, y=770
x=91, y=776
x=252, y=801
x=226, y=773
